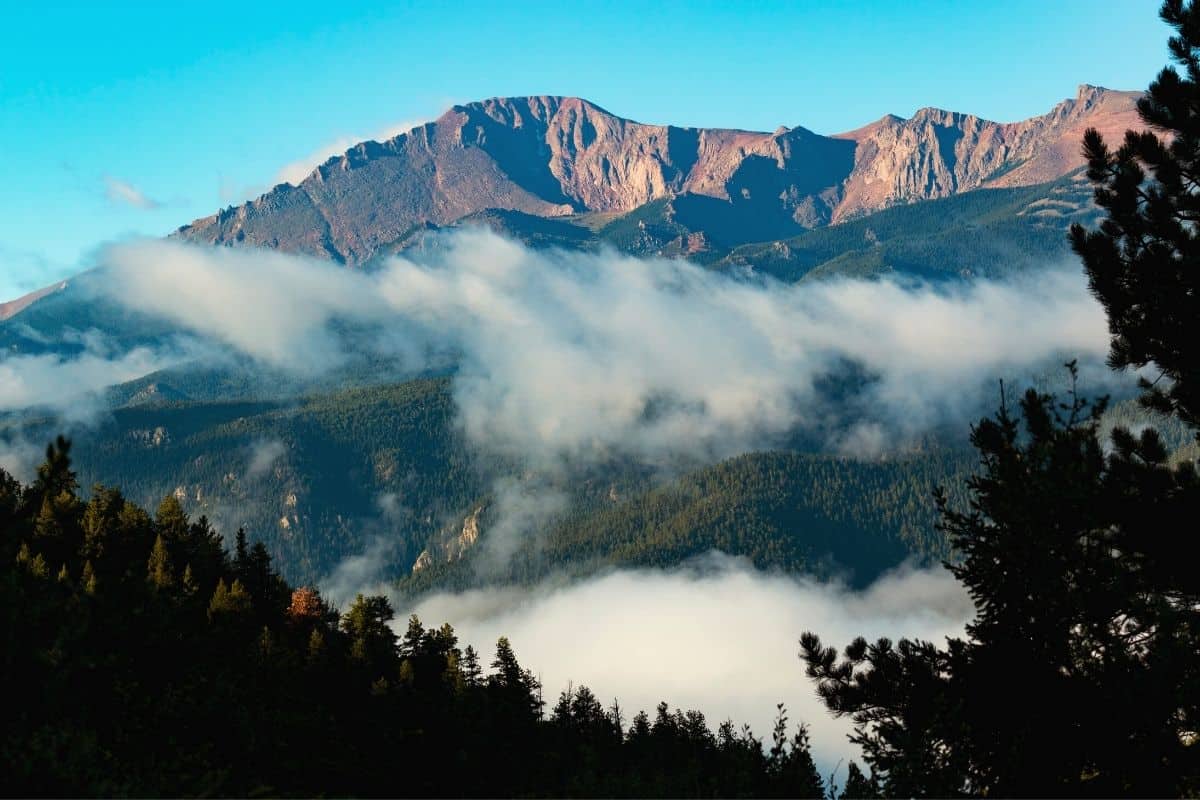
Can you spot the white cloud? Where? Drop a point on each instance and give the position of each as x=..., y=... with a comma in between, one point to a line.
x=263, y=456
x=19, y=457
x=70, y=384
x=271, y=306
x=296, y=171
x=570, y=355
x=563, y=360
x=720, y=636
x=360, y=574
x=120, y=191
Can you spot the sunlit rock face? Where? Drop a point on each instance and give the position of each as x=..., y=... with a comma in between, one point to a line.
x=561, y=157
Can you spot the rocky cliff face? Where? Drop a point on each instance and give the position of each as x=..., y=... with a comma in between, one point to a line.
x=451, y=546
x=938, y=153
x=557, y=157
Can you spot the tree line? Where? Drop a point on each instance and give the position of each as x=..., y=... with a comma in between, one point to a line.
x=143, y=657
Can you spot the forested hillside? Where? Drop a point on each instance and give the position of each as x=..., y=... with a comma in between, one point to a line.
x=307, y=477
x=803, y=513
x=317, y=480
x=327, y=476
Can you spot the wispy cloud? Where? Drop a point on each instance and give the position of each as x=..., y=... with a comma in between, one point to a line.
x=119, y=191
x=567, y=360
x=71, y=384
x=263, y=455
x=568, y=356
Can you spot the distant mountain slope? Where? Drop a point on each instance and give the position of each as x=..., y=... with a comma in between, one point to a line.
x=939, y=153
x=314, y=478
x=793, y=511
x=319, y=478
x=989, y=233
x=18, y=305
x=562, y=156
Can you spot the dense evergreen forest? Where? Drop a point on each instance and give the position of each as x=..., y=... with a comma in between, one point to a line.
x=145, y=658
x=803, y=513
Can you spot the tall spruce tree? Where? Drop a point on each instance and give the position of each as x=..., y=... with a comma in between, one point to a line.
x=1143, y=263
x=159, y=570
x=1078, y=674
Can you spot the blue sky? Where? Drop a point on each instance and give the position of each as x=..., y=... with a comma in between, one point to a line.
x=125, y=119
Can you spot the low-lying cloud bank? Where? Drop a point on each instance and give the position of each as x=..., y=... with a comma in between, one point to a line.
x=570, y=360
x=564, y=355
x=70, y=385
x=717, y=636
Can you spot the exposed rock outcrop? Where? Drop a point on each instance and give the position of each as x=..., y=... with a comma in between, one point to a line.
x=453, y=546
x=562, y=156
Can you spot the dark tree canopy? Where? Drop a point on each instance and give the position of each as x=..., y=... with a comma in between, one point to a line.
x=144, y=659
x=1079, y=673
x=1143, y=263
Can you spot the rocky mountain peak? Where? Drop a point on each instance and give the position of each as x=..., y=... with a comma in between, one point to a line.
x=553, y=156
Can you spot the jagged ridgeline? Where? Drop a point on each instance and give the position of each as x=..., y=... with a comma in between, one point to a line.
x=565, y=159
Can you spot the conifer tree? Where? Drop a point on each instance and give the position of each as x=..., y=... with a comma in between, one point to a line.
x=372, y=642
x=414, y=635
x=241, y=553
x=170, y=520
x=1143, y=263
x=228, y=601
x=98, y=520
x=639, y=728
x=47, y=526
x=54, y=475
x=472, y=672
x=159, y=570
x=1071, y=558
x=858, y=786
x=190, y=587
x=88, y=578
x=508, y=670
x=316, y=649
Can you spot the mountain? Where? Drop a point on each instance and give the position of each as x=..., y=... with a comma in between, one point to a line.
x=564, y=157
x=308, y=466
x=939, y=153
x=14, y=307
